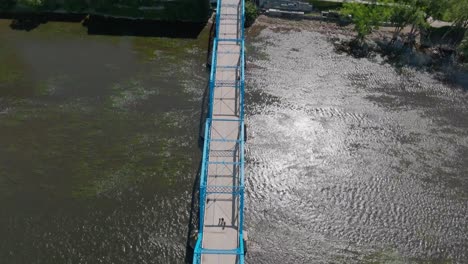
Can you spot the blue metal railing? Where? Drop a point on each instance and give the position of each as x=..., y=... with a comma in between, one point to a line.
x=218, y=17
x=204, y=173
x=235, y=190
x=214, y=61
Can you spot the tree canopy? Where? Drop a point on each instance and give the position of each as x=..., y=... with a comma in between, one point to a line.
x=405, y=13
x=457, y=12
x=367, y=17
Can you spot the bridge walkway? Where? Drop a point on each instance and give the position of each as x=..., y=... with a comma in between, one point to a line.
x=222, y=174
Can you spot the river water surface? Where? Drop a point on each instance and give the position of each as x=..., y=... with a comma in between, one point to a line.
x=98, y=145
x=349, y=160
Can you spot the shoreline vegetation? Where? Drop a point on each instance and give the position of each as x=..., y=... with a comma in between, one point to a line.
x=403, y=26
x=403, y=32
x=251, y=13
x=438, y=61
x=107, y=25
x=409, y=29
x=103, y=17
x=177, y=10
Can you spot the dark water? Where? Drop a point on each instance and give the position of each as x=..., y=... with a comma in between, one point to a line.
x=351, y=160
x=98, y=145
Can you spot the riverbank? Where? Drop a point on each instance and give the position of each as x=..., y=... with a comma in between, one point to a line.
x=178, y=10
x=101, y=25
x=437, y=59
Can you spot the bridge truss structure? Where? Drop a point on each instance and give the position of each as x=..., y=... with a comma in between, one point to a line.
x=220, y=234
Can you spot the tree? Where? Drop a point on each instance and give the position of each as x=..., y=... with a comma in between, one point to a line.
x=251, y=13
x=33, y=3
x=367, y=17
x=457, y=12
x=400, y=18
x=435, y=8
x=409, y=13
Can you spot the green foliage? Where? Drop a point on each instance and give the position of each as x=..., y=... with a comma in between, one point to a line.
x=431, y=8
x=400, y=13
x=75, y=5
x=409, y=12
x=7, y=4
x=251, y=13
x=177, y=10
x=32, y=3
x=458, y=13
x=436, y=8
x=367, y=17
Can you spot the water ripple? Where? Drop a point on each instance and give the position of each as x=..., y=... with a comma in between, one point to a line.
x=348, y=160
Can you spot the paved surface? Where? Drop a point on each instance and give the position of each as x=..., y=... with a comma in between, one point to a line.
x=225, y=154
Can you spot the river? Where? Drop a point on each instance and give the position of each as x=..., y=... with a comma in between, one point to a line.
x=349, y=160
x=98, y=144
